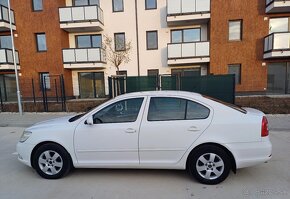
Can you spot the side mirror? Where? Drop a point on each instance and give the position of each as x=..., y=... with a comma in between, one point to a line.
x=90, y=120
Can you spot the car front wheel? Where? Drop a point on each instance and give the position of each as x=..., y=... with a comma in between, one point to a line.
x=209, y=164
x=51, y=161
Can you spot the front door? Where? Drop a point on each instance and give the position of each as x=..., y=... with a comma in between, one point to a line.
x=113, y=138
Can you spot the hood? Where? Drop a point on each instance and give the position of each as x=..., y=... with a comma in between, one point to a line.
x=50, y=123
x=253, y=111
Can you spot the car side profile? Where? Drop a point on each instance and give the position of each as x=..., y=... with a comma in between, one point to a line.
x=151, y=130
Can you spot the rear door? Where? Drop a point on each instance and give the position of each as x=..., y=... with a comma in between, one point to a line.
x=169, y=127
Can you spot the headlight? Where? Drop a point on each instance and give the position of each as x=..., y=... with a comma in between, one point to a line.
x=25, y=135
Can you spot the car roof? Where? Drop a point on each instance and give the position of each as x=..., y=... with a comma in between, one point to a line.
x=160, y=93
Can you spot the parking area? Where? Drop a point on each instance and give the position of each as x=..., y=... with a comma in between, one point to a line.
x=269, y=180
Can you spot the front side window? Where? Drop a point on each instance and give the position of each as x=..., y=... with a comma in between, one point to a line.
x=279, y=25
x=118, y=6
x=235, y=30
x=169, y=108
x=235, y=69
x=150, y=4
x=186, y=35
x=89, y=41
x=5, y=42
x=37, y=5
x=120, y=41
x=119, y=112
x=152, y=40
x=41, y=42
x=85, y=2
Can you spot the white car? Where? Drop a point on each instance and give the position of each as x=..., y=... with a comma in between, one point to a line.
x=151, y=130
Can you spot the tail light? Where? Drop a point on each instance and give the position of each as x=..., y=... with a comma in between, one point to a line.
x=265, y=130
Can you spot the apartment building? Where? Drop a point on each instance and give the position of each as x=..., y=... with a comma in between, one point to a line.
x=178, y=37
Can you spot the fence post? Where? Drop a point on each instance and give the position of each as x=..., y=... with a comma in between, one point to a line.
x=63, y=104
x=33, y=91
x=1, y=101
x=56, y=94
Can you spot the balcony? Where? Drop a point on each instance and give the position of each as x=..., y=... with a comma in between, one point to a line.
x=82, y=58
x=4, y=19
x=81, y=19
x=277, y=45
x=187, y=12
x=277, y=6
x=6, y=59
x=188, y=53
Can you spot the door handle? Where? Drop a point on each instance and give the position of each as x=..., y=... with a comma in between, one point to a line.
x=193, y=129
x=130, y=130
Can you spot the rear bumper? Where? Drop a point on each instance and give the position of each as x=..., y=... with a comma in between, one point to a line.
x=250, y=154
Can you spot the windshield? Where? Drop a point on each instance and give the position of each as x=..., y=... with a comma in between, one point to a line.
x=233, y=106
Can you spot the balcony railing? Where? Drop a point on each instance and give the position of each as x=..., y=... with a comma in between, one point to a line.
x=4, y=17
x=276, y=44
x=84, y=55
x=6, y=57
x=188, y=50
x=187, y=7
x=277, y=6
x=81, y=18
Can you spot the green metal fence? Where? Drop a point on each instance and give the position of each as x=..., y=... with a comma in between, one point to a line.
x=221, y=87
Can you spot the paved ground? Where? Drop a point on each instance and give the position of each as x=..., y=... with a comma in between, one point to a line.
x=270, y=180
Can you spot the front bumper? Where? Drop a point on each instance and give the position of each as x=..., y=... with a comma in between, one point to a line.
x=24, y=152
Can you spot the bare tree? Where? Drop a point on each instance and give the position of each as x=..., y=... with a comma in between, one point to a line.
x=118, y=52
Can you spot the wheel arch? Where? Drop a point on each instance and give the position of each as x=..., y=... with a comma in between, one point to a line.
x=43, y=143
x=232, y=158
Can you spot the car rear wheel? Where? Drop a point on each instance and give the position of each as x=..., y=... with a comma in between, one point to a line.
x=209, y=164
x=51, y=161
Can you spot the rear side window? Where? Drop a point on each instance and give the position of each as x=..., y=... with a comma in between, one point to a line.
x=169, y=108
x=119, y=112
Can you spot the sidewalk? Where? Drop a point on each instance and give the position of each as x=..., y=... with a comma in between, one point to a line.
x=276, y=122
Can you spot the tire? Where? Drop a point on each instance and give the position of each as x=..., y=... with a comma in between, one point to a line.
x=51, y=161
x=209, y=164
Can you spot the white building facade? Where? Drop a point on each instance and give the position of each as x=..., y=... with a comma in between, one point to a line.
x=167, y=37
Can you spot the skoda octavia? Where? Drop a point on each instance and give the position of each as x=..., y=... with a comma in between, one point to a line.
x=151, y=130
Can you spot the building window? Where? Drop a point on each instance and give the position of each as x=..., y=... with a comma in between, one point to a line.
x=235, y=69
x=150, y=4
x=153, y=72
x=44, y=80
x=89, y=41
x=279, y=25
x=85, y=2
x=185, y=35
x=278, y=78
x=122, y=72
x=186, y=72
x=118, y=6
x=120, y=43
x=152, y=40
x=91, y=85
x=4, y=3
x=37, y=5
x=5, y=42
x=235, y=30
x=41, y=42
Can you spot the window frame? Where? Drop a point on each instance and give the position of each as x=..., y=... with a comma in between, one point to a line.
x=120, y=33
x=241, y=30
x=33, y=7
x=89, y=3
x=8, y=36
x=240, y=72
x=113, y=6
x=37, y=46
x=91, y=40
x=182, y=35
x=185, y=113
x=146, y=8
x=153, y=70
x=44, y=83
x=151, y=31
x=121, y=100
